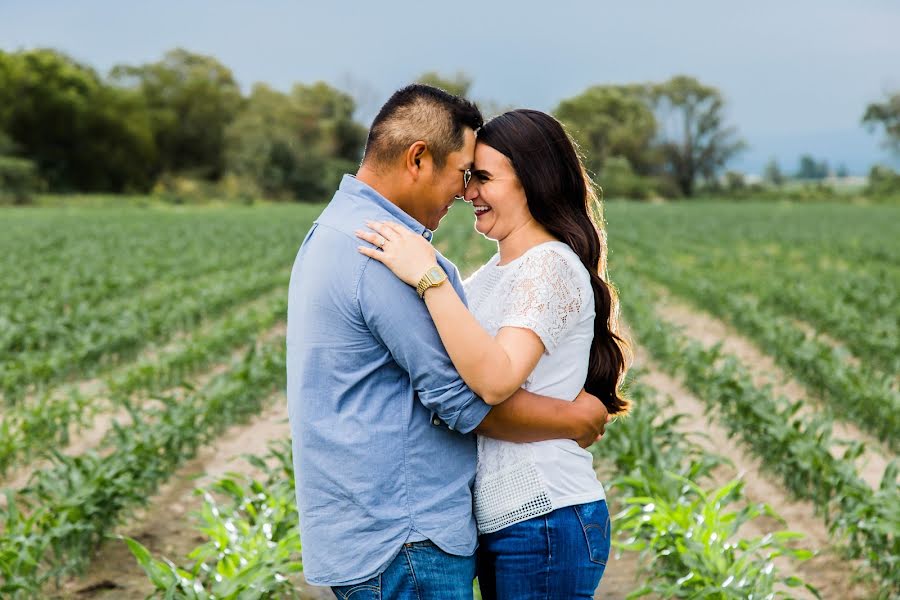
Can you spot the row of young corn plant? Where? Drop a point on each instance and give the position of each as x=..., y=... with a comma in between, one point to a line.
x=62, y=266
x=45, y=332
x=199, y=351
x=252, y=547
x=855, y=392
x=775, y=288
x=688, y=535
x=51, y=527
x=30, y=428
x=793, y=446
x=109, y=341
x=843, y=249
x=806, y=264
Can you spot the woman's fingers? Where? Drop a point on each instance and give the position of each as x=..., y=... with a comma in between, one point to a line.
x=396, y=229
x=371, y=253
x=376, y=239
x=382, y=229
x=389, y=229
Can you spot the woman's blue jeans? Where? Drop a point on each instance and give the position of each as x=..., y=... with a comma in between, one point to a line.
x=561, y=555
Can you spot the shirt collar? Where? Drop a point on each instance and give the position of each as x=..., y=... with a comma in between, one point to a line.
x=354, y=187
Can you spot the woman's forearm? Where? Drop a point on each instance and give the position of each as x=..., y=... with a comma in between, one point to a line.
x=528, y=417
x=480, y=360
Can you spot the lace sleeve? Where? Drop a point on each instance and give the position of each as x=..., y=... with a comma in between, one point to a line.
x=545, y=296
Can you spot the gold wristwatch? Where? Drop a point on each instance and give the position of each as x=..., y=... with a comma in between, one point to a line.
x=433, y=277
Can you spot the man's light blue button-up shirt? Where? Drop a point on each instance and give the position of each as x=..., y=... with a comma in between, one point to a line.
x=380, y=419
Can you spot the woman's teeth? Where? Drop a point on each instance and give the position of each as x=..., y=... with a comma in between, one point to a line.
x=480, y=210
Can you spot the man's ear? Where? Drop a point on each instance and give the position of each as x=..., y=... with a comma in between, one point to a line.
x=415, y=154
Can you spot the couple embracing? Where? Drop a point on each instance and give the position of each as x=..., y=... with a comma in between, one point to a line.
x=439, y=426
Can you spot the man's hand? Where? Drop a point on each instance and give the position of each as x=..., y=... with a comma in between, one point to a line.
x=591, y=418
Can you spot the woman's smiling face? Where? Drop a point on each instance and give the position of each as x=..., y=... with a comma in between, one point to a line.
x=496, y=195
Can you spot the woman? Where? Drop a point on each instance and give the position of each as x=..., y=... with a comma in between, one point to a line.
x=542, y=317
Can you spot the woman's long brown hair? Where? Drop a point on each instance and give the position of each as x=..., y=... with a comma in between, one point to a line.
x=561, y=197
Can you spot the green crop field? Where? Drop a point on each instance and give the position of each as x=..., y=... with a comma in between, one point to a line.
x=142, y=346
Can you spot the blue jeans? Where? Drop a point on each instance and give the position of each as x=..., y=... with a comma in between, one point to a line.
x=560, y=555
x=421, y=571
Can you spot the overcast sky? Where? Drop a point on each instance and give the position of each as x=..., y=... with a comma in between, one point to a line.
x=797, y=74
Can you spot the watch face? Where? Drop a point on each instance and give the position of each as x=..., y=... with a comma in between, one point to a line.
x=435, y=273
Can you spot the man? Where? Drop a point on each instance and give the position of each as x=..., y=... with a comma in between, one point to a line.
x=381, y=421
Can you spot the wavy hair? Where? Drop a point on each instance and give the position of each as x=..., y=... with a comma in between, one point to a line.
x=562, y=198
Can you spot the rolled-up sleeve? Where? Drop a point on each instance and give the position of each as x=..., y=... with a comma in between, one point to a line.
x=400, y=320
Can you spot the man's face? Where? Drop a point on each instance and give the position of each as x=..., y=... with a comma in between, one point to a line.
x=447, y=183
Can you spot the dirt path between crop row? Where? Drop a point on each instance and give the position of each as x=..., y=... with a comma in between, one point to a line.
x=167, y=526
x=709, y=330
x=89, y=438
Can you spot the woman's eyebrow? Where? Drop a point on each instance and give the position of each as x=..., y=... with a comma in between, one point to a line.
x=481, y=173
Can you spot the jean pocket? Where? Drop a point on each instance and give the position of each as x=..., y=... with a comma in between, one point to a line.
x=368, y=590
x=595, y=521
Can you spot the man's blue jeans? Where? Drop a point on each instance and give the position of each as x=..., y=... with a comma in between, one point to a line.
x=421, y=571
x=560, y=555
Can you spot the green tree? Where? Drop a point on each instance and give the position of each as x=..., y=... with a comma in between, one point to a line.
x=884, y=182
x=335, y=133
x=295, y=145
x=772, y=173
x=618, y=180
x=251, y=139
x=810, y=168
x=695, y=141
x=887, y=115
x=458, y=84
x=735, y=182
x=18, y=176
x=81, y=133
x=611, y=120
x=191, y=100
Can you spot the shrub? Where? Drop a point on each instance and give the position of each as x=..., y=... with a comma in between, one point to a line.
x=18, y=180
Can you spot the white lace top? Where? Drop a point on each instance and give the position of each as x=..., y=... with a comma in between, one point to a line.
x=548, y=291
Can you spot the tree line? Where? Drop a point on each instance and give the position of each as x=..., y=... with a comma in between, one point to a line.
x=183, y=116
x=182, y=125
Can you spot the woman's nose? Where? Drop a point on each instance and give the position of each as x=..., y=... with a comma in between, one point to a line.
x=471, y=193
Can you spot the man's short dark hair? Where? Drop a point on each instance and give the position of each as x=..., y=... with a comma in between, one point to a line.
x=420, y=112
